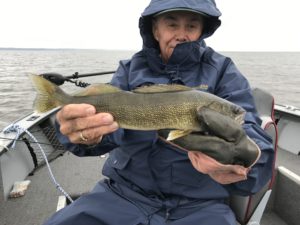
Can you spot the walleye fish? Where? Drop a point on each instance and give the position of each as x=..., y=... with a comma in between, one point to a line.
x=154, y=107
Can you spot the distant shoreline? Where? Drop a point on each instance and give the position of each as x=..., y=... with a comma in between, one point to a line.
x=41, y=49
x=59, y=49
x=122, y=50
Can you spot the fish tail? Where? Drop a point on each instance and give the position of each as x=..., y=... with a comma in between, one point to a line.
x=49, y=95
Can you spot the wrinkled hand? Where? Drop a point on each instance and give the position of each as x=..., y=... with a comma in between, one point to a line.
x=223, y=174
x=82, y=125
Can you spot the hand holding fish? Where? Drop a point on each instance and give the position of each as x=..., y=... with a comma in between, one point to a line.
x=223, y=174
x=82, y=125
x=145, y=108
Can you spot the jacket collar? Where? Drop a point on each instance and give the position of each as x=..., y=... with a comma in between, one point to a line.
x=184, y=57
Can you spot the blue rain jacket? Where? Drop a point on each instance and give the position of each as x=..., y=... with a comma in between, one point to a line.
x=142, y=162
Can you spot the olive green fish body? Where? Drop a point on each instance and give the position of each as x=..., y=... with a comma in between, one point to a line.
x=150, y=111
x=149, y=108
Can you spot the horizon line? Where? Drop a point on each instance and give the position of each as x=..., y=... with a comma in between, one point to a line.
x=98, y=49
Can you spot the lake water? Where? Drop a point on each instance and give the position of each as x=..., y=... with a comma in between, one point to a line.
x=276, y=72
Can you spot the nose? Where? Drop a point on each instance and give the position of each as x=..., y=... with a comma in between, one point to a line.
x=181, y=35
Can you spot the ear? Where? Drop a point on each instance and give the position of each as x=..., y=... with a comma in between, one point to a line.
x=154, y=30
x=155, y=35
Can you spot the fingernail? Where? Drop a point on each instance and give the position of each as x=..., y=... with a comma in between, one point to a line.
x=107, y=119
x=90, y=111
x=242, y=172
x=114, y=126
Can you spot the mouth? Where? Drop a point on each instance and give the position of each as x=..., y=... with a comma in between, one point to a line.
x=240, y=114
x=240, y=118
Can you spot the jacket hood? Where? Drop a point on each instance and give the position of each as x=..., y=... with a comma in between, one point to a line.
x=206, y=7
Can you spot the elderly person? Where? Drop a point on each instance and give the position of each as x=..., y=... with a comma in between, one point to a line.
x=150, y=181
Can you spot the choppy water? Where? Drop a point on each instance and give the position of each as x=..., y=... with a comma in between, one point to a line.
x=278, y=73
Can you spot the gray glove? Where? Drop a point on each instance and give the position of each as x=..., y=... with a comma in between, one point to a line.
x=225, y=140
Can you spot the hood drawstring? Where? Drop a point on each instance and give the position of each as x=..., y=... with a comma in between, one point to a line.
x=174, y=76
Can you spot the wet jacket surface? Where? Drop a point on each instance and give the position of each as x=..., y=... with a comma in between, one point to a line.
x=144, y=163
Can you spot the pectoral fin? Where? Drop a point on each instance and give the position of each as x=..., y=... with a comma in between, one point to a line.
x=174, y=134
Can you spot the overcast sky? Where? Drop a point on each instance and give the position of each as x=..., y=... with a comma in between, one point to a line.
x=247, y=25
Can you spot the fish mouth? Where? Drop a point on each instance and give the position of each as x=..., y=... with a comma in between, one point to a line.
x=240, y=114
x=240, y=118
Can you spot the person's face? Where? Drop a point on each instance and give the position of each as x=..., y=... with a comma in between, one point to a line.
x=173, y=28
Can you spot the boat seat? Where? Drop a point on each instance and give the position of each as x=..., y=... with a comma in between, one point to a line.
x=249, y=209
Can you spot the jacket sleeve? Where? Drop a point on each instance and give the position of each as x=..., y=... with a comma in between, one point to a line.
x=108, y=142
x=234, y=87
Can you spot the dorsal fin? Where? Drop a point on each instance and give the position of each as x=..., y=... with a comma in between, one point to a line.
x=97, y=89
x=158, y=88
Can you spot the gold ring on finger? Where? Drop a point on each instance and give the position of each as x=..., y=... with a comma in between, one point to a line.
x=82, y=138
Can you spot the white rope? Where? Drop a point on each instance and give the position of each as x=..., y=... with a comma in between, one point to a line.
x=10, y=129
x=19, y=130
x=5, y=147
